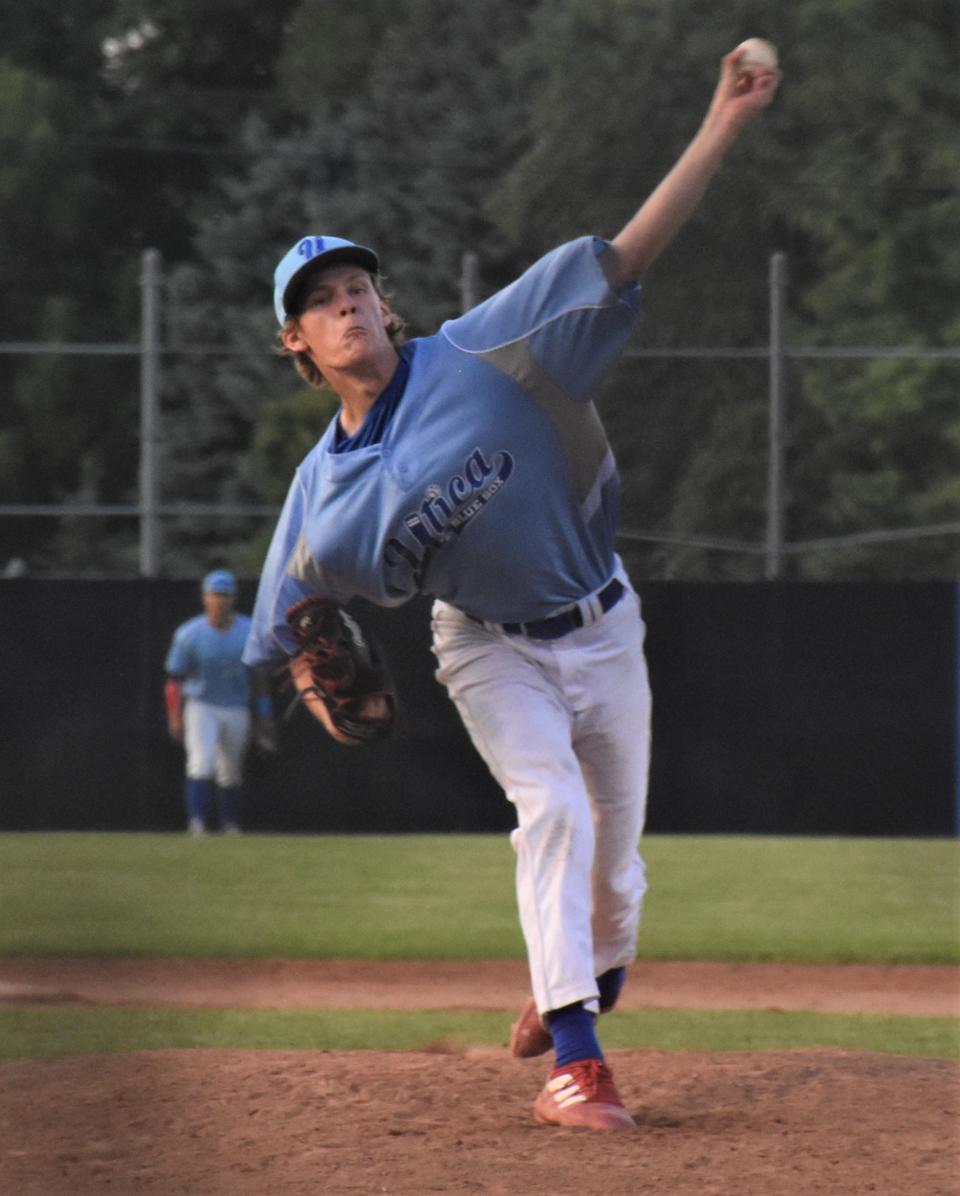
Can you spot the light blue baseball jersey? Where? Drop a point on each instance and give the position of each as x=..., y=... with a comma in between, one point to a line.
x=493, y=486
x=209, y=661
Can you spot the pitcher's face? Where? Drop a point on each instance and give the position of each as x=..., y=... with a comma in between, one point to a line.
x=342, y=321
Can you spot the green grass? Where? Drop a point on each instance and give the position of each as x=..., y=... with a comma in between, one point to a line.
x=451, y=897
x=50, y=1032
x=804, y=900
x=257, y=897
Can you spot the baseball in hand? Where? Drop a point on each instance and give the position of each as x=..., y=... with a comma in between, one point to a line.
x=757, y=55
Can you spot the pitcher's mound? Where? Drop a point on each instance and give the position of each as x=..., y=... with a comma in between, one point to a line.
x=253, y=1123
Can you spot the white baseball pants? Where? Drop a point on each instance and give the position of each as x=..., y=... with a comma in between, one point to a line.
x=564, y=726
x=215, y=739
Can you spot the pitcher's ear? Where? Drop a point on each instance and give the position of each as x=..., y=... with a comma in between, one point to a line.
x=292, y=339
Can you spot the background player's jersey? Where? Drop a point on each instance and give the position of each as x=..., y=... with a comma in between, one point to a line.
x=208, y=660
x=493, y=488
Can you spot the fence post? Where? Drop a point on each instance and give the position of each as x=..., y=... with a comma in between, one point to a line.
x=777, y=419
x=956, y=707
x=149, y=413
x=469, y=281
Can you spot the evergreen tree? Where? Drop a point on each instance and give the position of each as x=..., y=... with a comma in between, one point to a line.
x=114, y=116
x=220, y=132
x=402, y=160
x=878, y=194
x=620, y=89
x=852, y=173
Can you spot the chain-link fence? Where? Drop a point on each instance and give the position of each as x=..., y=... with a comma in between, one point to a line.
x=157, y=517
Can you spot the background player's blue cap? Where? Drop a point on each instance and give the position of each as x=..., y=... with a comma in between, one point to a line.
x=220, y=581
x=312, y=252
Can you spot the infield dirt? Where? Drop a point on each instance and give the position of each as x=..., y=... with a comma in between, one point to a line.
x=239, y=1123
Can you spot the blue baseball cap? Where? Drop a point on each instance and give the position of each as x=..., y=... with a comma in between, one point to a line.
x=311, y=252
x=220, y=581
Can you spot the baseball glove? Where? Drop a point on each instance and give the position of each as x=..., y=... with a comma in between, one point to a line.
x=348, y=672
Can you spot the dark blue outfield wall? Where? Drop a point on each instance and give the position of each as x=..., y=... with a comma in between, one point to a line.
x=824, y=709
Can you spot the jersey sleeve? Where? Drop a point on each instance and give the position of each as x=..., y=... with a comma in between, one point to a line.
x=561, y=312
x=269, y=640
x=180, y=660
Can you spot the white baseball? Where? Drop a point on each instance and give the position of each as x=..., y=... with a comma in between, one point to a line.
x=758, y=55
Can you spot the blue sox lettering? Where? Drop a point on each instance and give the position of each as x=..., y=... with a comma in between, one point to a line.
x=445, y=512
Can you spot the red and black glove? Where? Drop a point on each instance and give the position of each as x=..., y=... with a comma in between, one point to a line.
x=348, y=672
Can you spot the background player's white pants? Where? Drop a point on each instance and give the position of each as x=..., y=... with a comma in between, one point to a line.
x=564, y=726
x=215, y=739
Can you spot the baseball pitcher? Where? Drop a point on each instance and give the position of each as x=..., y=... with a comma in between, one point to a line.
x=471, y=465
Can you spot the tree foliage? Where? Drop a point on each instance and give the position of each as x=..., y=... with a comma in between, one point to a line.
x=401, y=161
x=878, y=197
x=853, y=173
x=221, y=132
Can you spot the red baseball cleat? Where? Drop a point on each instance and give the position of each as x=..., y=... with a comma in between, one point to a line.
x=582, y=1094
x=528, y=1035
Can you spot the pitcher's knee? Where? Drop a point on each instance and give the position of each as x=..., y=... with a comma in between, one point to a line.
x=560, y=828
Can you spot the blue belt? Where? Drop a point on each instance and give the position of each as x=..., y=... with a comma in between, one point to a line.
x=567, y=621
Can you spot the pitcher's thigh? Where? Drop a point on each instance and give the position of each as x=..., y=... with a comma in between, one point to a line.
x=522, y=731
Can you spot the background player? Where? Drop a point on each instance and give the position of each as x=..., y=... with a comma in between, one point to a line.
x=472, y=465
x=208, y=696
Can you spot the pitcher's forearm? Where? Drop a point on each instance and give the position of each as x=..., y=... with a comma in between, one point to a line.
x=736, y=101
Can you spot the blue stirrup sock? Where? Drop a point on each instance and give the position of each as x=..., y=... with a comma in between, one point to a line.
x=230, y=808
x=574, y=1031
x=574, y=1028
x=198, y=797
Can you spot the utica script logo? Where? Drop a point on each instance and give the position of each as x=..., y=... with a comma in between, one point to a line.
x=447, y=510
